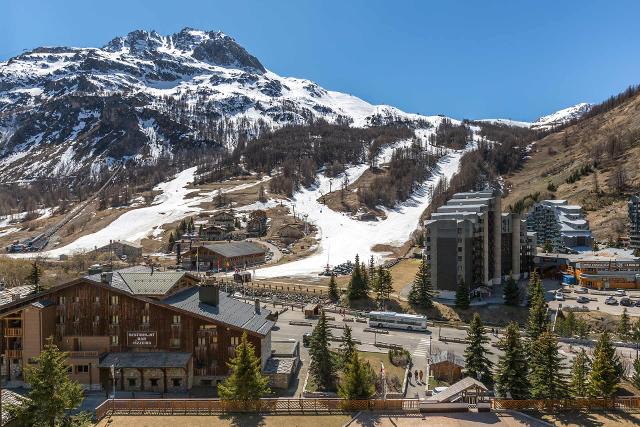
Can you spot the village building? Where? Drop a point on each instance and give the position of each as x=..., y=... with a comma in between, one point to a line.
x=120, y=249
x=446, y=366
x=224, y=256
x=224, y=219
x=213, y=233
x=257, y=223
x=290, y=233
x=157, y=331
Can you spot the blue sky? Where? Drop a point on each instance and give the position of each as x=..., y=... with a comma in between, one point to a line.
x=467, y=59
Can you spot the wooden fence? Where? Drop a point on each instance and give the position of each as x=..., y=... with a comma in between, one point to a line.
x=632, y=402
x=216, y=406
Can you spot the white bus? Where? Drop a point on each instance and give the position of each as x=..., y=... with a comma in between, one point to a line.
x=390, y=319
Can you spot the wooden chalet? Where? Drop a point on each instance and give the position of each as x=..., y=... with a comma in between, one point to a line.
x=121, y=248
x=215, y=233
x=446, y=366
x=224, y=256
x=224, y=219
x=144, y=330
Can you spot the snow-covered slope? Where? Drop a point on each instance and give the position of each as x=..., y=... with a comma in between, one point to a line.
x=65, y=111
x=562, y=116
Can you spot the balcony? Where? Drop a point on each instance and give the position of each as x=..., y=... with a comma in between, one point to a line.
x=13, y=332
x=89, y=354
x=13, y=354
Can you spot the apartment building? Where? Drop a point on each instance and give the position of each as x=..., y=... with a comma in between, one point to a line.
x=469, y=239
x=560, y=224
x=634, y=222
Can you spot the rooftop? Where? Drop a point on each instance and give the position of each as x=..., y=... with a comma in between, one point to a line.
x=142, y=280
x=448, y=356
x=8, y=295
x=235, y=249
x=230, y=311
x=451, y=393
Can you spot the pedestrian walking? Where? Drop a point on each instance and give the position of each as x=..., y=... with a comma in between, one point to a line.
x=421, y=375
x=416, y=375
x=409, y=377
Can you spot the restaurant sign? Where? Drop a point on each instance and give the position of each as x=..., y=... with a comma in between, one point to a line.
x=142, y=339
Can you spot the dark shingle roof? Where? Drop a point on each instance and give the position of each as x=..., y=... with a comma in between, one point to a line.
x=151, y=359
x=230, y=311
x=236, y=249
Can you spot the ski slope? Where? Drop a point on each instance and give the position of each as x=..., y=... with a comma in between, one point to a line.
x=341, y=236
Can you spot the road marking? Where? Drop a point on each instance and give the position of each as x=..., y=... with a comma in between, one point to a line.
x=423, y=348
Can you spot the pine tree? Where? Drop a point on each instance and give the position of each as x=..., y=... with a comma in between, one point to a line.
x=172, y=242
x=347, y=347
x=246, y=382
x=384, y=285
x=511, y=371
x=635, y=333
x=34, y=276
x=200, y=230
x=606, y=368
x=357, y=287
x=421, y=294
x=372, y=269
x=537, y=321
x=546, y=374
x=51, y=393
x=476, y=361
x=635, y=378
x=623, y=330
x=580, y=374
x=358, y=381
x=511, y=292
x=334, y=294
x=534, y=286
x=463, y=300
x=322, y=367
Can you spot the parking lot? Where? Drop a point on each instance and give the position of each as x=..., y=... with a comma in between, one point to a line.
x=596, y=300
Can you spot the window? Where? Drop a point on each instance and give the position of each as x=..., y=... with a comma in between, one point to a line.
x=114, y=299
x=76, y=299
x=176, y=382
x=82, y=369
x=132, y=382
x=154, y=382
x=176, y=319
x=96, y=318
x=235, y=341
x=114, y=319
x=202, y=341
x=97, y=300
x=145, y=319
x=69, y=369
x=61, y=319
x=174, y=342
x=146, y=306
x=114, y=340
x=61, y=300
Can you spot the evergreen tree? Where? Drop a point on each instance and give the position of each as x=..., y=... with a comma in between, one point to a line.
x=606, y=368
x=52, y=395
x=246, y=382
x=384, y=285
x=322, y=367
x=534, y=286
x=537, y=321
x=372, y=269
x=476, y=361
x=463, y=300
x=511, y=292
x=347, y=347
x=580, y=375
x=421, y=294
x=546, y=374
x=34, y=276
x=511, y=371
x=357, y=287
x=548, y=247
x=635, y=378
x=623, y=330
x=172, y=242
x=358, y=381
x=334, y=294
x=368, y=281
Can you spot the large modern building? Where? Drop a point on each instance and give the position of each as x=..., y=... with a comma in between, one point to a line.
x=158, y=331
x=634, y=222
x=469, y=239
x=560, y=224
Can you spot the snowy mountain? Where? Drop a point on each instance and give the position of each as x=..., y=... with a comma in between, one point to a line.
x=72, y=111
x=562, y=116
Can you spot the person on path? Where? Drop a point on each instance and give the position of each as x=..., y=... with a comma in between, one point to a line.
x=416, y=375
x=421, y=375
x=409, y=377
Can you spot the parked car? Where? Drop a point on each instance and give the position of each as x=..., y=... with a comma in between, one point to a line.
x=581, y=290
x=621, y=293
x=626, y=301
x=611, y=301
x=559, y=296
x=637, y=303
x=582, y=299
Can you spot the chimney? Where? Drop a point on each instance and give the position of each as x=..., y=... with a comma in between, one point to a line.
x=257, y=305
x=209, y=294
x=105, y=277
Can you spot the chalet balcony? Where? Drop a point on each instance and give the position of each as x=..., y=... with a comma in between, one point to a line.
x=205, y=371
x=13, y=332
x=89, y=354
x=13, y=354
x=60, y=329
x=114, y=329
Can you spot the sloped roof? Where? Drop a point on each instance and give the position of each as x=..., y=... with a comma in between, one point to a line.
x=230, y=311
x=7, y=295
x=235, y=249
x=457, y=388
x=147, y=359
x=141, y=280
x=10, y=398
x=448, y=356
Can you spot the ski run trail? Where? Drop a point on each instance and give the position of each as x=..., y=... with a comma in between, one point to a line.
x=340, y=236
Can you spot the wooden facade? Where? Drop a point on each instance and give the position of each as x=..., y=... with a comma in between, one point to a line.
x=91, y=319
